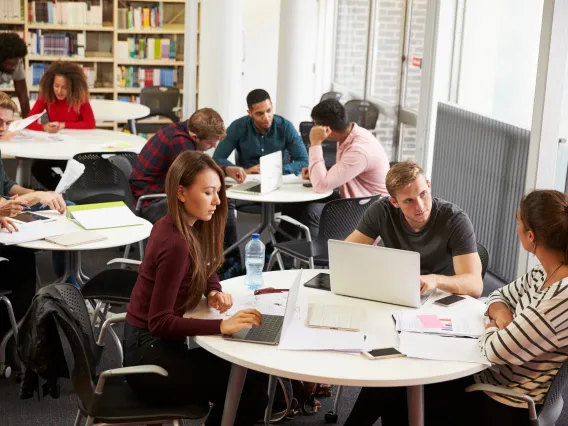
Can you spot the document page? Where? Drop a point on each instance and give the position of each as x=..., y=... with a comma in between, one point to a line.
x=470, y=325
x=110, y=217
x=442, y=348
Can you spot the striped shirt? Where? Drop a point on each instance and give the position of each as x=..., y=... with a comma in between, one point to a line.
x=529, y=351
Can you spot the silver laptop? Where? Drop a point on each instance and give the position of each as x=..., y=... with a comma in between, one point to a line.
x=272, y=326
x=270, y=176
x=375, y=273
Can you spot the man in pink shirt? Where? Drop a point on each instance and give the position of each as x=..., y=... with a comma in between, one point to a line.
x=361, y=166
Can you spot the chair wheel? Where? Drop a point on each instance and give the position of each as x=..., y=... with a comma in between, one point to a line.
x=330, y=417
x=7, y=372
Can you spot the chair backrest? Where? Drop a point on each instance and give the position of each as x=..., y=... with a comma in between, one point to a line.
x=484, y=256
x=329, y=147
x=553, y=402
x=82, y=372
x=305, y=127
x=364, y=113
x=102, y=181
x=331, y=95
x=339, y=218
x=161, y=100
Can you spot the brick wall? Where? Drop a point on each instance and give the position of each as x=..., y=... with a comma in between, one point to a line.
x=350, y=61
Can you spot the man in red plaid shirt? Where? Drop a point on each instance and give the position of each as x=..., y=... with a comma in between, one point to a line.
x=200, y=132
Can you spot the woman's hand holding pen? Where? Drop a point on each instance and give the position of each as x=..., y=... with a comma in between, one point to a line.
x=241, y=320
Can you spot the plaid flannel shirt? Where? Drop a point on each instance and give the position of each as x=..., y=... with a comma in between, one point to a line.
x=149, y=175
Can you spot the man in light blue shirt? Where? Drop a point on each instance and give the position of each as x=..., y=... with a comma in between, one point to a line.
x=259, y=133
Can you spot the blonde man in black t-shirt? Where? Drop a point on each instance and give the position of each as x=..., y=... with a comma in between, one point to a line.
x=411, y=219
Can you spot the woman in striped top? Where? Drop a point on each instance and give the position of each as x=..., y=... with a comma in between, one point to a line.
x=526, y=338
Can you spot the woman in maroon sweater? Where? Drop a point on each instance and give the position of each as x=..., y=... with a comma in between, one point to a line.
x=183, y=253
x=64, y=96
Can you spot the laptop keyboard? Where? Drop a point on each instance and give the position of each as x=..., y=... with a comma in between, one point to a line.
x=255, y=188
x=268, y=330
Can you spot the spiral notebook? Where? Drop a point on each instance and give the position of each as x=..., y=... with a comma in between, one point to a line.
x=76, y=238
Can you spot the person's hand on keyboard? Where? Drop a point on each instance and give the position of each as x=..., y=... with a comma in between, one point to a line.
x=220, y=301
x=241, y=320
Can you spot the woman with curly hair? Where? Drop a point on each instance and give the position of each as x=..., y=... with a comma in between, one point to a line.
x=64, y=95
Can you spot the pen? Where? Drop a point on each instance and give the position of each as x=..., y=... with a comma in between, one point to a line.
x=269, y=290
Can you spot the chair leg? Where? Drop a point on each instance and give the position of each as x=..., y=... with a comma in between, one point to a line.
x=38, y=280
x=272, y=260
x=311, y=263
x=141, y=248
x=11, y=316
x=125, y=255
x=96, y=313
x=78, y=418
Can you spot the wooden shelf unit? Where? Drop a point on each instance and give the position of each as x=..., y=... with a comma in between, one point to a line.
x=173, y=28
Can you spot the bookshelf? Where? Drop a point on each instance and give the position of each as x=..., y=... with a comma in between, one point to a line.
x=123, y=45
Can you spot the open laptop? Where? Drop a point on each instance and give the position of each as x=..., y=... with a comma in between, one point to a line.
x=375, y=273
x=272, y=326
x=270, y=176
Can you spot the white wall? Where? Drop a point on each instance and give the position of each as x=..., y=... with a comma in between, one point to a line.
x=563, y=133
x=499, y=58
x=261, y=27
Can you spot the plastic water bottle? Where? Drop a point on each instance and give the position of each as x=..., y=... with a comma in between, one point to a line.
x=254, y=262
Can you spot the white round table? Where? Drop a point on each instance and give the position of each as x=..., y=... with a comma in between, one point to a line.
x=328, y=367
x=287, y=193
x=115, y=237
x=71, y=142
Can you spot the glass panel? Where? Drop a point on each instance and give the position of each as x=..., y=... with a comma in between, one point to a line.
x=385, y=134
x=387, y=50
x=351, y=43
x=415, y=54
x=408, y=142
x=499, y=59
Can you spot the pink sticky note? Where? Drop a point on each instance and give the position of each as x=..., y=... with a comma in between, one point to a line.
x=430, y=321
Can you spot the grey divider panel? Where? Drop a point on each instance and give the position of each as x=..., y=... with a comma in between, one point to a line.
x=480, y=165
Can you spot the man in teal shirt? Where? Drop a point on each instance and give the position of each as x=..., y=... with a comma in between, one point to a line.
x=259, y=133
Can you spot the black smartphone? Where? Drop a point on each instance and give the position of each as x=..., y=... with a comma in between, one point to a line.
x=307, y=185
x=449, y=300
x=320, y=282
x=382, y=353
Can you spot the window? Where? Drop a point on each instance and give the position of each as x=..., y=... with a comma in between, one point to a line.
x=351, y=43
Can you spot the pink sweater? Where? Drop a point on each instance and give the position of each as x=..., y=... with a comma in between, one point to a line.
x=360, y=169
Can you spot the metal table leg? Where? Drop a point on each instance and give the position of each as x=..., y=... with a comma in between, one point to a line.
x=24, y=172
x=234, y=390
x=415, y=395
x=132, y=123
x=272, y=382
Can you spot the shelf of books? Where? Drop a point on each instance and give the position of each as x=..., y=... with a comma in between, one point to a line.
x=123, y=45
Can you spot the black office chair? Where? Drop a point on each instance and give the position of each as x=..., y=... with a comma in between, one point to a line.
x=484, y=256
x=162, y=101
x=102, y=181
x=338, y=219
x=331, y=95
x=364, y=113
x=329, y=148
x=108, y=398
x=549, y=412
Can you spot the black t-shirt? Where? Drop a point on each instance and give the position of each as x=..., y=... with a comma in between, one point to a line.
x=448, y=233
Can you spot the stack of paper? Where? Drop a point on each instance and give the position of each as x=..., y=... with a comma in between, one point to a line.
x=427, y=346
x=103, y=215
x=469, y=325
x=29, y=232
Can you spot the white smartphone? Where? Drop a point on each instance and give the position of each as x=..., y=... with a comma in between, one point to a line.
x=382, y=353
x=449, y=300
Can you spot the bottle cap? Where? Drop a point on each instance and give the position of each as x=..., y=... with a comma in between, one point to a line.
x=256, y=236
